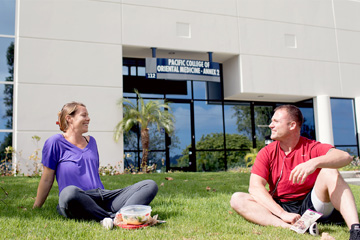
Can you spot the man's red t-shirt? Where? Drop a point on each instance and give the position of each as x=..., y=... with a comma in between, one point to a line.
x=271, y=159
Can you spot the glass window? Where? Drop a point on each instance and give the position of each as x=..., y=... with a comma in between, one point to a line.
x=181, y=138
x=207, y=90
x=131, y=161
x=213, y=91
x=6, y=76
x=157, y=138
x=6, y=106
x=343, y=121
x=156, y=160
x=133, y=71
x=199, y=90
x=130, y=61
x=353, y=151
x=208, y=126
x=149, y=95
x=262, y=117
x=236, y=159
x=141, y=71
x=7, y=17
x=308, y=127
x=5, y=141
x=180, y=96
x=126, y=94
x=125, y=70
x=210, y=161
x=6, y=59
x=131, y=137
x=238, y=125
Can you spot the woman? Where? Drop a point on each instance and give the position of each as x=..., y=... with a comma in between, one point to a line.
x=74, y=159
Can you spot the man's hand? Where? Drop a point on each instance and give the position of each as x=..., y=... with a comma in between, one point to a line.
x=301, y=171
x=289, y=217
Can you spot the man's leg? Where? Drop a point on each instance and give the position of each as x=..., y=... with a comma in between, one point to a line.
x=247, y=207
x=331, y=187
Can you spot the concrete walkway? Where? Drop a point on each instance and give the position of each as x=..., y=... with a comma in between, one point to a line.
x=351, y=177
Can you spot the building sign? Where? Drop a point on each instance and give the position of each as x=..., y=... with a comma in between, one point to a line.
x=182, y=69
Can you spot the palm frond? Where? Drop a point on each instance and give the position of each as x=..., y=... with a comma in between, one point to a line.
x=144, y=114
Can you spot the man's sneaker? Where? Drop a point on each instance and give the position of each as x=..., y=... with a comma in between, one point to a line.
x=355, y=232
x=107, y=223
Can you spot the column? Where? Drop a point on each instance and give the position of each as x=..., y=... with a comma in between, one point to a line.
x=323, y=120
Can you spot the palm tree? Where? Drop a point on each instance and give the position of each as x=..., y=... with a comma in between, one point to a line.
x=153, y=112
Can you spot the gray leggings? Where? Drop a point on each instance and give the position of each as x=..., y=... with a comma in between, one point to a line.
x=97, y=204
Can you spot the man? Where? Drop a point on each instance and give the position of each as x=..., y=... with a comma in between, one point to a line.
x=301, y=174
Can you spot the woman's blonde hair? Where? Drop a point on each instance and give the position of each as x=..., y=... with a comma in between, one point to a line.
x=67, y=109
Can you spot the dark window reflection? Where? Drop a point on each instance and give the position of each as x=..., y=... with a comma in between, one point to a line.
x=6, y=76
x=131, y=140
x=7, y=17
x=130, y=161
x=343, y=122
x=353, y=151
x=5, y=141
x=6, y=106
x=185, y=95
x=210, y=161
x=308, y=127
x=156, y=161
x=207, y=90
x=6, y=59
x=236, y=159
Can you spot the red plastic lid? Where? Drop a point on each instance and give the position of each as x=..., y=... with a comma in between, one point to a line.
x=130, y=226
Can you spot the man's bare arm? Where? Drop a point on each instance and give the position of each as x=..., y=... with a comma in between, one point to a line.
x=334, y=158
x=260, y=194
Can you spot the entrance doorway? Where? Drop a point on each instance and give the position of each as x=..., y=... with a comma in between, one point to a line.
x=180, y=146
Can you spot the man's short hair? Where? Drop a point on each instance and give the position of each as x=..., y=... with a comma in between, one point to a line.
x=294, y=113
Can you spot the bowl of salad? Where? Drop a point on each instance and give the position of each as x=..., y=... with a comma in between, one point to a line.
x=135, y=214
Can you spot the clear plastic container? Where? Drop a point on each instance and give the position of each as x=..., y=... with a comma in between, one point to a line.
x=135, y=214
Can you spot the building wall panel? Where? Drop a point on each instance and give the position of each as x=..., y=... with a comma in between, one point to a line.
x=289, y=77
x=80, y=20
x=303, y=12
x=347, y=14
x=175, y=29
x=349, y=50
x=266, y=38
x=350, y=78
x=40, y=103
x=44, y=61
x=223, y=7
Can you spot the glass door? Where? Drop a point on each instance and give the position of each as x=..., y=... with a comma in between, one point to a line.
x=180, y=145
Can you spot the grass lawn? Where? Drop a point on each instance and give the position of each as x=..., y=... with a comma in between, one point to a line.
x=189, y=209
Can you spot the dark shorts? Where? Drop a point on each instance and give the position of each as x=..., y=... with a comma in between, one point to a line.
x=301, y=206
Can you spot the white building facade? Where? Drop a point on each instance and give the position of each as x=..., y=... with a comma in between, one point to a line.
x=271, y=52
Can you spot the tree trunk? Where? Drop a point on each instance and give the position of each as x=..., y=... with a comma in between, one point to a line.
x=145, y=148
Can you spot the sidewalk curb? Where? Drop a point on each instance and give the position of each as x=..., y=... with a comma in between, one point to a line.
x=351, y=177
